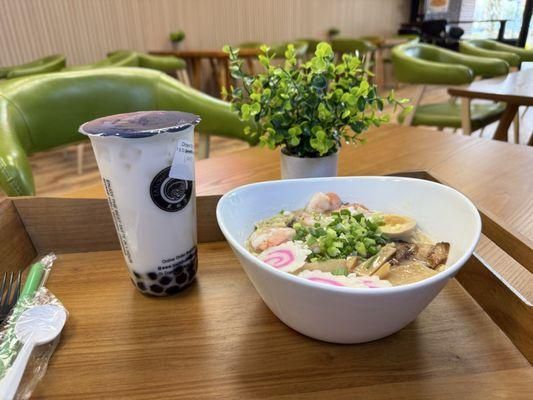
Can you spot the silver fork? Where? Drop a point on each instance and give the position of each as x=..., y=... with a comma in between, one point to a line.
x=9, y=292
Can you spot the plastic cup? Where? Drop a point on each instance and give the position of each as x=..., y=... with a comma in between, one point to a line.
x=146, y=160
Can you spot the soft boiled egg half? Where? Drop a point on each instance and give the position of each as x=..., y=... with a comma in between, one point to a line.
x=397, y=226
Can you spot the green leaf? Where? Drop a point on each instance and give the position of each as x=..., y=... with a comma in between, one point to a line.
x=295, y=131
x=245, y=112
x=323, y=49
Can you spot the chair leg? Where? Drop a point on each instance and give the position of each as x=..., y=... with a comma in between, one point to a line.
x=417, y=98
x=525, y=111
x=203, y=146
x=183, y=76
x=79, y=151
x=466, y=122
x=516, y=128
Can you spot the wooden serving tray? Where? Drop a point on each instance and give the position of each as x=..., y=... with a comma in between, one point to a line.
x=218, y=339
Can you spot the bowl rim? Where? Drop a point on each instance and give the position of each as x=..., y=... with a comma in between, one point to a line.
x=446, y=274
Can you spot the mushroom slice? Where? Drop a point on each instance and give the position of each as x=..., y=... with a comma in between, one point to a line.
x=371, y=265
x=409, y=273
x=397, y=226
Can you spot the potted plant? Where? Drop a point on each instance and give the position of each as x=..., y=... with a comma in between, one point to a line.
x=307, y=109
x=176, y=38
x=332, y=32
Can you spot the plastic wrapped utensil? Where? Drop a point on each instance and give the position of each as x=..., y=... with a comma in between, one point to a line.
x=33, y=294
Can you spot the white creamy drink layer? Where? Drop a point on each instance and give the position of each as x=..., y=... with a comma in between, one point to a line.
x=138, y=187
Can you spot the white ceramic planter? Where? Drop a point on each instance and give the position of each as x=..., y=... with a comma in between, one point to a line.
x=303, y=167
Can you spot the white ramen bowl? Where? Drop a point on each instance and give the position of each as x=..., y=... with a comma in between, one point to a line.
x=340, y=314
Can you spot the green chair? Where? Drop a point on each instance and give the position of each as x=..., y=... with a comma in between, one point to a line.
x=364, y=48
x=168, y=64
x=40, y=66
x=311, y=45
x=278, y=49
x=490, y=49
x=120, y=59
x=375, y=40
x=347, y=45
x=42, y=112
x=425, y=64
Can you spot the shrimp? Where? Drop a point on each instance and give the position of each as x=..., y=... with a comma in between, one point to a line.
x=323, y=202
x=263, y=238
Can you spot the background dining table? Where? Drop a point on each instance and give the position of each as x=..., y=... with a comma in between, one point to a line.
x=515, y=89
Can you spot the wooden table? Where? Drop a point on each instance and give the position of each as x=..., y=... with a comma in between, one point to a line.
x=219, y=62
x=218, y=339
x=495, y=175
x=515, y=89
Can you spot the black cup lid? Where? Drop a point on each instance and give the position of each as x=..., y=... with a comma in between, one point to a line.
x=139, y=124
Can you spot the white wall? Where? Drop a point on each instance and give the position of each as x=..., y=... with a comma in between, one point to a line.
x=85, y=30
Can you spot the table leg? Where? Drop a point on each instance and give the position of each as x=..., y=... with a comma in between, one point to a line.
x=466, y=121
x=197, y=73
x=379, y=69
x=501, y=31
x=505, y=121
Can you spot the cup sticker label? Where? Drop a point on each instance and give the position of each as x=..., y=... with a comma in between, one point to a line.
x=183, y=163
x=170, y=194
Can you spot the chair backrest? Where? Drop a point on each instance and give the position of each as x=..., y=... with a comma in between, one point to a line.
x=348, y=45
x=117, y=59
x=524, y=54
x=311, y=44
x=51, y=63
x=278, y=49
x=43, y=112
x=160, y=63
x=488, y=48
x=431, y=65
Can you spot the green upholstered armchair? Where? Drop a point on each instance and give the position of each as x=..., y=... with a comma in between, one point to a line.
x=278, y=49
x=119, y=59
x=425, y=64
x=40, y=66
x=491, y=48
x=44, y=111
x=346, y=45
x=375, y=40
x=311, y=44
x=159, y=63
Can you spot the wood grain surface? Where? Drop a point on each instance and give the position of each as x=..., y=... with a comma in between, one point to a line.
x=495, y=176
x=512, y=313
x=81, y=225
x=515, y=88
x=218, y=340
x=16, y=247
